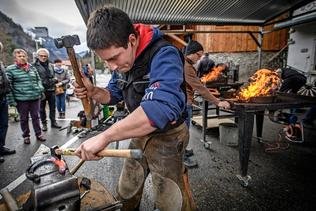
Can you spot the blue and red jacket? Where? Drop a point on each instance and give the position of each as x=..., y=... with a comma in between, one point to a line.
x=163, y=99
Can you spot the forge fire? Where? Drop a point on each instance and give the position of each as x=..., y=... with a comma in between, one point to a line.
x=215, y=73
x=263, y=83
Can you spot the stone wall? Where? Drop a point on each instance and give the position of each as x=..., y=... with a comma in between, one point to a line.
x=248, y=61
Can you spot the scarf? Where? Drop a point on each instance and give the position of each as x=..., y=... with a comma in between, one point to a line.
x=44, y=64
x=25, y=66
x=58, y=70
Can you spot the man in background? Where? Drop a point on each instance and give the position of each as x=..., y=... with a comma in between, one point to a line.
x=292, y=80
x=193, y=53
x=46, y=72
x=88, y=71
x=205, y=65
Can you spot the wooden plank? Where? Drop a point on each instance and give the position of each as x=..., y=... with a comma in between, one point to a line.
x=211, y=123
x=239, y=42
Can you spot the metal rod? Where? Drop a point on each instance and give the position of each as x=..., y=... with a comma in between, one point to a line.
x=260, y=38
x=77, y=166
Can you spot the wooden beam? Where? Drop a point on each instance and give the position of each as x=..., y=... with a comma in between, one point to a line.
x=199, y=31
x=176, y=38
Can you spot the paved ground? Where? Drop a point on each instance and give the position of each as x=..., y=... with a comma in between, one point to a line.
x=283, y=180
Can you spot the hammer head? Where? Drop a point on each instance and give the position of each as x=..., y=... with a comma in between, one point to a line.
x=53, y=152
x=67, y=41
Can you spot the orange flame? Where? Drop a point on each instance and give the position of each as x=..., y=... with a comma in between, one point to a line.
x=214, y=74
x=263, y=83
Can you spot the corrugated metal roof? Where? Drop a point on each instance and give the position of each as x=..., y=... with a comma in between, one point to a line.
x=183, y=12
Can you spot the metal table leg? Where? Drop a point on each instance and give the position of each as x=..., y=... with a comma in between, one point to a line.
x=207, y=144
x=204, y=119
x=259, y=124
x=245, y=129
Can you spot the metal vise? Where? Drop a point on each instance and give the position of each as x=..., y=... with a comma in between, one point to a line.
x=54, y=188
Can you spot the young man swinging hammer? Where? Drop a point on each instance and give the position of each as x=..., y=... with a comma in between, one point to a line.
x=148, y=76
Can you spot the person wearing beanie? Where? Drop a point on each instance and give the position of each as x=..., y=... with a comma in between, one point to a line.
x=193, y=53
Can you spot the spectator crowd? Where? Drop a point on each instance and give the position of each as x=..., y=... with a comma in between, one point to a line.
x=29, y=87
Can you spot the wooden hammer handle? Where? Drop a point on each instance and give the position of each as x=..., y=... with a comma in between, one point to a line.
x=76, y=71
x=9, y=200
x=124, y=153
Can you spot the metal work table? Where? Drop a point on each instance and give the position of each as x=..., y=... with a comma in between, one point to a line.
x=220, y=113
x=245, y=112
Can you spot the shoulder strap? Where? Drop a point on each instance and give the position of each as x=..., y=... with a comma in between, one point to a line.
x=156, y=46
x=143, y=61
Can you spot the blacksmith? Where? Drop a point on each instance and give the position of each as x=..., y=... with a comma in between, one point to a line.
x=148, y=76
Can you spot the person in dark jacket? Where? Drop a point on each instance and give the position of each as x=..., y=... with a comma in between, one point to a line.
x=292, y=80
x=46, y=72
x=148, y=76
x=4, y=116
x=205, y=65
x=25, y=94
x=88, y=71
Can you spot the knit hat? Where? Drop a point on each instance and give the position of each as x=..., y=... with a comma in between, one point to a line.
x=193, y=47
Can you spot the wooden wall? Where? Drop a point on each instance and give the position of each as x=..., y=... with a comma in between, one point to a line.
x=238, y=42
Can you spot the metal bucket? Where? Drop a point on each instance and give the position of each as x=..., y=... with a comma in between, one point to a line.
x=228, y=134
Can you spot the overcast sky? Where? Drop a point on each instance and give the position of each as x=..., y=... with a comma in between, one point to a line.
x=61, y=17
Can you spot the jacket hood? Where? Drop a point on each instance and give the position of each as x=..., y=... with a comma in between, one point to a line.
x=147, y=34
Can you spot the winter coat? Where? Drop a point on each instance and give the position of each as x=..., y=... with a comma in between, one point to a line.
x=25, y=85
x=62, y=76
x=4, y=83
x=47, y=75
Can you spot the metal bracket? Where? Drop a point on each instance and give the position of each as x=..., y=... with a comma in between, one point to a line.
x=255, y=39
